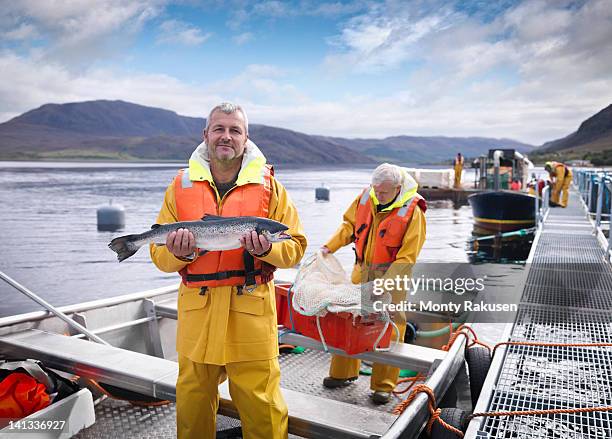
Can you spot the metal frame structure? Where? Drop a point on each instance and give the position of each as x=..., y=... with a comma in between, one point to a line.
x=567, y=299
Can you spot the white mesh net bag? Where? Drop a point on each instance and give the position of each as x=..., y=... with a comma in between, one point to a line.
x=321, y=286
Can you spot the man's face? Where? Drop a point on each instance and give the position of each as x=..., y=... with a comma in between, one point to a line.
x=226, y=136
x=385, y=191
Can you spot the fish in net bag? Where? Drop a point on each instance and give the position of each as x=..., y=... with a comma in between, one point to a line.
x=322, y=286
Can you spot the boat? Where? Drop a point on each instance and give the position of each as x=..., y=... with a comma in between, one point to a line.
x=138, y=355
x=497, y=208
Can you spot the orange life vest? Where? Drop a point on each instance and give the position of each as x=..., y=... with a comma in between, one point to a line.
x=237, y=267
x=391, y=230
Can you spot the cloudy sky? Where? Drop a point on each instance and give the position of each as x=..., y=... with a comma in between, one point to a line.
x=527, y=70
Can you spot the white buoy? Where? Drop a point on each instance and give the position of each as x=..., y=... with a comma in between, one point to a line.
x=322, y=193
x=111, y=217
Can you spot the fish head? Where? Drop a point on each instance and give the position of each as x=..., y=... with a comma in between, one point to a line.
x=273, y=230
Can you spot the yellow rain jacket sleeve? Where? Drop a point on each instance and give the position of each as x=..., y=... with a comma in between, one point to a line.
x=222, y=327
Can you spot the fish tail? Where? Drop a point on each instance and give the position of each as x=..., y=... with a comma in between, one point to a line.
x=125, y=246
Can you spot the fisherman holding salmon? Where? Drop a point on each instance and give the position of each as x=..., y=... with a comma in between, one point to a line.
x=226, y=306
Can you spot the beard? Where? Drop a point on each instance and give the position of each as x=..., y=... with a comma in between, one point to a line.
x=226, y=156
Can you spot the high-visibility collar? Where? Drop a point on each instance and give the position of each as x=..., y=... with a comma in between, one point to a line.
x=251, y=170
x=407, y=191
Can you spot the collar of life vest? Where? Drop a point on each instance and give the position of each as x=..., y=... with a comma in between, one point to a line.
x=407, y=191
x=251, y=170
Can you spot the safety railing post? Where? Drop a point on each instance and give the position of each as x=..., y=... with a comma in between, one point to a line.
x=588, y=200
x=607, y=182
x=537, y=210
x=600, y=191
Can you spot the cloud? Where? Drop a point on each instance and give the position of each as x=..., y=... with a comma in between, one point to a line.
x=22, y=32
x=532, y=70
x=72, y=31
x=175, y=31
x=243, y=38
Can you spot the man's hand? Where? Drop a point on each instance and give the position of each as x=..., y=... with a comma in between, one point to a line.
x=181, y=243
x=325, y=250
x=255, y=244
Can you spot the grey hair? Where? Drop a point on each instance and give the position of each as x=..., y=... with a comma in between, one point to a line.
x=388, y=173
x=229, y=108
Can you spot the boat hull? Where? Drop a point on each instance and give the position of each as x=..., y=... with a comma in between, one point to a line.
x=503, y=211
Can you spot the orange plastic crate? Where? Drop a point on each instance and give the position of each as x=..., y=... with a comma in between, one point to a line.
x=341, y=331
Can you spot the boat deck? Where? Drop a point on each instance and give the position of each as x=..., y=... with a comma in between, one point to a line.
x=567, y=299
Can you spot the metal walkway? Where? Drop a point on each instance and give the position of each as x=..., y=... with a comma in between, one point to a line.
x=567, y=299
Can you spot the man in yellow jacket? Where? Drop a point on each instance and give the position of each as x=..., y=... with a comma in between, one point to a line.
x=382, y=250
x=458, y=165
x=561, y=176
x=225, y=330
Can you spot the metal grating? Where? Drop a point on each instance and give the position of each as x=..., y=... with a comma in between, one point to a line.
x=567, y=297
x=121, y=419
x=561, y=325
x=305, y=372
x=545, y=378
x=562, y=277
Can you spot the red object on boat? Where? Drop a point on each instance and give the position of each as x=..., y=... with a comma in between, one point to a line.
x=21, y=395
x=340, y=330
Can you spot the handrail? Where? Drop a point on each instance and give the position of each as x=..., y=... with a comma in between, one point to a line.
x=596, y=185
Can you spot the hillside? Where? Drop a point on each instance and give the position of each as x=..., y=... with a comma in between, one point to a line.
x=592, y=131
x=123, y=130
x=592, y=140
x=118, y=130
x=409, y=149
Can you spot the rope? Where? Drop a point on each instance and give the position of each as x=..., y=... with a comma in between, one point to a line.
x=431, y=405
x=411, y=380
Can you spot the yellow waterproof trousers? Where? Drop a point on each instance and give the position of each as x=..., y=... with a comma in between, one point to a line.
x=384, y=378
x=561, y=186
x=458, y=172
x=255, y=390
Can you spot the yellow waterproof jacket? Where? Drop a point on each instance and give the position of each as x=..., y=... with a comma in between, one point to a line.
x=560, y=172
x=222, y=327
x=411, y=244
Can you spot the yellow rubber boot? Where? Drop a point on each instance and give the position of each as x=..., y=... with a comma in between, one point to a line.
x=384, y=377
x=343, y=368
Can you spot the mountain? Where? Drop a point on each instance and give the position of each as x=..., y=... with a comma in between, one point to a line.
x=410, y=149
x=593, y=139
x=118, y=130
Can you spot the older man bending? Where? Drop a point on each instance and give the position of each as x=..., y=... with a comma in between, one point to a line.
x=386, y=222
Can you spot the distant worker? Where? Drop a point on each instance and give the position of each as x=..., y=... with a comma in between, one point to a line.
x=387, y=224
x=515, y=185
x=561, y=177
x=458, y=164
